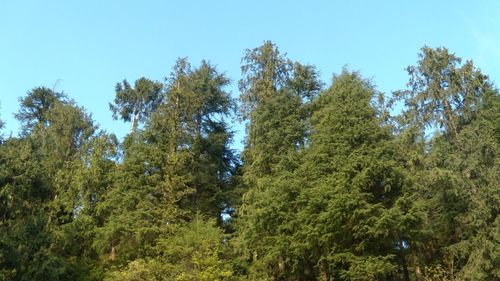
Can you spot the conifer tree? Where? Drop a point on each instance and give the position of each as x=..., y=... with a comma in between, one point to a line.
x=458, y=166
x=356, y=221
x=274, y=95
x=330, y=187
x=176, y=167
x=136, y=104
x=48, y=215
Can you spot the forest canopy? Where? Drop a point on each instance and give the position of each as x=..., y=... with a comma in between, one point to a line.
x=336, y=181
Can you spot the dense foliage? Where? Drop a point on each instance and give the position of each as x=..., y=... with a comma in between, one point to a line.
x=334, y=183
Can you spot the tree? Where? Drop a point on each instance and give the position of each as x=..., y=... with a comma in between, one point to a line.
x=273, y=90
x=2, y=124
x=174, y=168
x=442, y=92
x=468, y=170
x=275, y=94
x=355, y=219
x=136, y=104
x=330, y=186
x=52, y=179
x=457, y=164
x=36, y=104
x=197, y=99
x=194, y=252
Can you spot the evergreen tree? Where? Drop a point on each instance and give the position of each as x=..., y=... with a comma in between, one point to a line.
x=330, y=187
x=177, y=166
x=136, y=104
x=36, y=104
x=458, y=167
x=274, y=95
x=356, y=221
x=48, y=235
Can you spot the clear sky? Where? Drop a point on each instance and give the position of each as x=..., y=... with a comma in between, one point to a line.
x=85, y=47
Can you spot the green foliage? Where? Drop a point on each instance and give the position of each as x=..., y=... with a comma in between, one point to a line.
x=2, y=124
x=177, y=166
x=355, y=214
x=275, y=96
x=195, y=111
x=442, y=92
x=194, y=251
x=49, y=187
x=36, y=105
x=136, y=104
x=458, y=174
x=330, y=185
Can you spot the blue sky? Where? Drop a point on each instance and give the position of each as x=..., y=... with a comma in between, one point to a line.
x=84, y=47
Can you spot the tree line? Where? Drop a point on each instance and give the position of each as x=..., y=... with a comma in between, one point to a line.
x=335, y=182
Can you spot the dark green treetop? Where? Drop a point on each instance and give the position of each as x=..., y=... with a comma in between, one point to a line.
x=136, y=104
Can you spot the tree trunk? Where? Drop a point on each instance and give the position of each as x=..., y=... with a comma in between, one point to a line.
x=449, y=118
x=325, y=272
x=198, y=121
x=281, y=265
x=135, y=121
x=406, y=275
x=418, y=273
x=112, y=255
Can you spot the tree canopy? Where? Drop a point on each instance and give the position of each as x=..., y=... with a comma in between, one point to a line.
x=336, y=181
